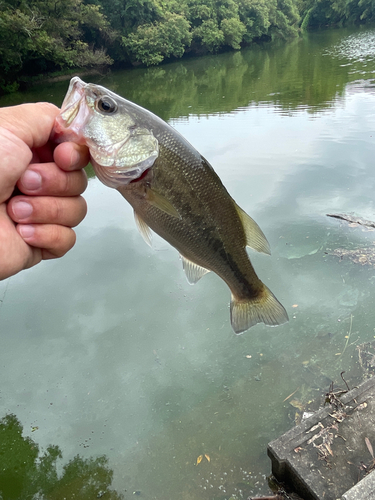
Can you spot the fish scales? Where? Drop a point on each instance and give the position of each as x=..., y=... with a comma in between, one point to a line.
x=199, y=238
x=174, y=191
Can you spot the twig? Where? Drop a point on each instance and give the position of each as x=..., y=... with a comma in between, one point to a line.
x=348, y=336
x=290, y=395
x=5, y=291
x=273, y=497
x=352, y=219
x=341, y=375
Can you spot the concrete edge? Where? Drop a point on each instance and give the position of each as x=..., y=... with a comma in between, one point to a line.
x=364, y=490
x=278, y=449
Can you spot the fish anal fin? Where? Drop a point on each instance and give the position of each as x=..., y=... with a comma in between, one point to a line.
x=143, y=229
x=160, y=202
x=264, y=308
x=193, y=271
x=255, y=238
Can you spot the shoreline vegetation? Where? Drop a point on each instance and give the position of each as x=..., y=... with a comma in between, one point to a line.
x=47, y=40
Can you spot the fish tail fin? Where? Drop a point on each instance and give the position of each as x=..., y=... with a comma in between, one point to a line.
x=263, y=308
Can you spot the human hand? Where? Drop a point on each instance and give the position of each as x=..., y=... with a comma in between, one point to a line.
x=36, y=222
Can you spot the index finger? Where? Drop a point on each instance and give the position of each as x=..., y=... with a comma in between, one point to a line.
x=32, y=123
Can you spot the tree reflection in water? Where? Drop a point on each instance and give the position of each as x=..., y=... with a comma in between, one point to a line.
x=28, y=475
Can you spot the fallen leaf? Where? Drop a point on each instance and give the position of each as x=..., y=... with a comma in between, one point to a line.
x=369, y=446
x=328, y=448
x=362, y=406
x=297, y=404
x=316, y=427
x=199, y=459
x=208, y=457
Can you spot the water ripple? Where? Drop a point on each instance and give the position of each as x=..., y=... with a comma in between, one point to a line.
x=355, y=48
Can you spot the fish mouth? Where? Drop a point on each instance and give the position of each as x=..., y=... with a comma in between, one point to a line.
x=70, y=113
x=115, y=163
x=73, y=115
x=75, y=92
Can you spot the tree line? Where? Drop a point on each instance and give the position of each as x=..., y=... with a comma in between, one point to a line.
x=44, y=36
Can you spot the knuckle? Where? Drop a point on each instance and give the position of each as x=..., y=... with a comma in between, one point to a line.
x=56, y=211
x=56, y=239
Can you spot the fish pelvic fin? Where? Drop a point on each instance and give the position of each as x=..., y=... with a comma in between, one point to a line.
x=264, y=308
x=160, y=202
x=193, y=271
x=255, y=238
x=143, y=229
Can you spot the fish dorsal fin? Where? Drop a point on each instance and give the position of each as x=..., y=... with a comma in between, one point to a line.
x=143, y=229
x=160, y=202
x=255, y=238
x=193, y=271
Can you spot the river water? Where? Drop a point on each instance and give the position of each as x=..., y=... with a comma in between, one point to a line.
x=111, y=355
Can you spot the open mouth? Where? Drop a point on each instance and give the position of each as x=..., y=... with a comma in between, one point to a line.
x=72, y=103
x=70, y=113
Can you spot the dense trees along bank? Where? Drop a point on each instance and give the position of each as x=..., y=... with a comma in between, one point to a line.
x=41, y=36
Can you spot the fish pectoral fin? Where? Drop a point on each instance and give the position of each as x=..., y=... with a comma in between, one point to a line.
x=160, y=202
x=143, y=229
x=263, y=308
x=193, y=271
x=255, y=238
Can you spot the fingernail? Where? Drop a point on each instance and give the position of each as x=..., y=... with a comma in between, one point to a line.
x=75, y=158
x=26, y=231
x=22, y=209
x=31, y=180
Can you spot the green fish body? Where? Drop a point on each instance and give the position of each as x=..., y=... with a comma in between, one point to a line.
x=175, y=192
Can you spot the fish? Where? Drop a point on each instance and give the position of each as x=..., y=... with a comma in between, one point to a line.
x=174, y=192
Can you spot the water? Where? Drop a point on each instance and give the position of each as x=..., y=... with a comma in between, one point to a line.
x=109, y=354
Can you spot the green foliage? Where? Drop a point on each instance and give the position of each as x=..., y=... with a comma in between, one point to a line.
x=209, y=35
x=151, y=43
x=39, y=36
x=126, y=15
x=43, y=35
x=233, y=30
x=284, y=19
x=321, y=13
x=255, y=14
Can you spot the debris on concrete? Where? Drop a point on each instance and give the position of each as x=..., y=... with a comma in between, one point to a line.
x=330, y=454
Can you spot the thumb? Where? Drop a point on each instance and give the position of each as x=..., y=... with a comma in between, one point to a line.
x=32, y=123
x=15, y=157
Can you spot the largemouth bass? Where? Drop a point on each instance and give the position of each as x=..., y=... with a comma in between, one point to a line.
x=174, y=191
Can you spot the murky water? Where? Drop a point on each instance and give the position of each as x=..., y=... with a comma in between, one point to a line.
x=110, y=355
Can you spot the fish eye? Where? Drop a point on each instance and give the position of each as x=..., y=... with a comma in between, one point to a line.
x=106, y=105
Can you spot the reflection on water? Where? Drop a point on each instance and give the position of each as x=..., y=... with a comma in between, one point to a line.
x=110, y=352
x=25, y=474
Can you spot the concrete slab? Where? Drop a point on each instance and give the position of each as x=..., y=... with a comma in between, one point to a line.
x=364, y=490
x=325, y=456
